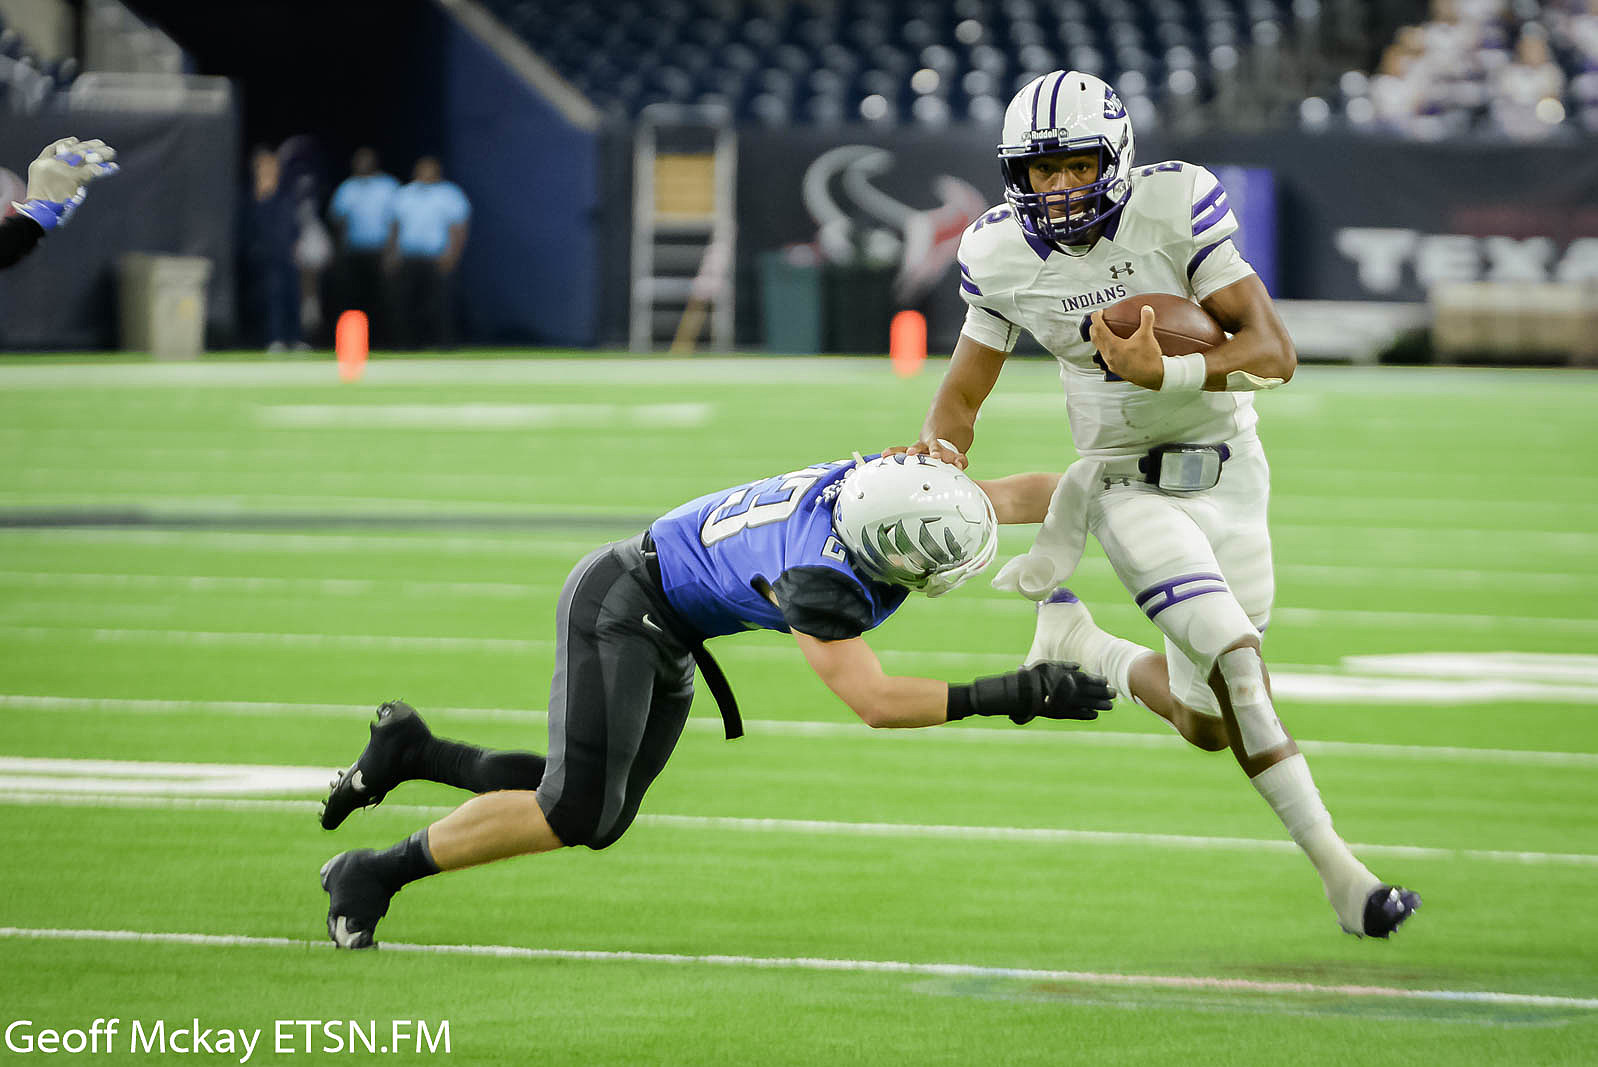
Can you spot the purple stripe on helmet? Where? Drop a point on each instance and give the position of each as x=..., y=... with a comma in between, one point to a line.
x=1036, y=95
x=1209, y=198
x=1156, y=598
x=1193, y=264
x=1054, y=101
x=1217, y=213
x=969, y=286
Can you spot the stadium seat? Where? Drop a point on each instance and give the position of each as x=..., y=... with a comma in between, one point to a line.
x=1252, y=61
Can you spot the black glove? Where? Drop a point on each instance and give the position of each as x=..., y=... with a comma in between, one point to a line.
x=1052, y=690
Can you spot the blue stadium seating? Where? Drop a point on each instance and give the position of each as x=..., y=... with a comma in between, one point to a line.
x=784, y=62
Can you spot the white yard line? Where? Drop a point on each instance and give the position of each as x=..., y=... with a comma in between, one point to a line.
x=491, y=416
x=215, y=638
x=702, y=371
x=205, y=583
x=1097, y=979
x=424, y=542
x=1290, y=686
x=132, y=792
x=1430, y=620
x=1085, y=737
x=1388, y=578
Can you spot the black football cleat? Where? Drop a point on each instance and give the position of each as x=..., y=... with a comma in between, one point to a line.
x=1386, y=909
x=357, y=898
x=396, y=736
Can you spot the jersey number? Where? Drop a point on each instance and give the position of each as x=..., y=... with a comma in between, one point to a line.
x=772, y=500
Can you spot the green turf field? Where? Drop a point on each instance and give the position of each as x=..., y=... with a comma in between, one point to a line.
x=275, y=553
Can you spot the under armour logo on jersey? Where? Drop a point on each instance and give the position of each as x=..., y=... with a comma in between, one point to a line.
x=1125, y=268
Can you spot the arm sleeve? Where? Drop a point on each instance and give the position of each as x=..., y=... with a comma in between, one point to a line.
x=823, y=603
x=18, y=236
x=1215, y=262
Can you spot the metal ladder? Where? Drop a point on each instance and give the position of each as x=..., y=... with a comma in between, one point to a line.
x=684, y=228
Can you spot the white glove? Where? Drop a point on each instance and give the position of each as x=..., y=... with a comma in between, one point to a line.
x=1034, y=575
x=57, y=178
x=1058, y=546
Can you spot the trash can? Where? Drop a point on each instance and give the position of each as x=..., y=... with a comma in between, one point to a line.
x=859, y=302
x=790, y=302
x=162, y=303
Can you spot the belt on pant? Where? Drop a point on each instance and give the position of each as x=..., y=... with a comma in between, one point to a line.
x=715, y=678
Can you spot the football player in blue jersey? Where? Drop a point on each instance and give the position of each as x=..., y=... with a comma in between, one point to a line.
x=824, y=553
x=57, y=184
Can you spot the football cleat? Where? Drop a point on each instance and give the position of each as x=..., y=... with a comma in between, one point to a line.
x=395, y=738
x=1386, y=909
x=1063, y=623
x=357, y=899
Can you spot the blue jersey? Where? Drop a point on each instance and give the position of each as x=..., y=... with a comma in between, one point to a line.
x=719, y=553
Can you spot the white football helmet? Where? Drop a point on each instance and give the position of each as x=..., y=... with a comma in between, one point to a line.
x=1066, y=111
x=916, y=522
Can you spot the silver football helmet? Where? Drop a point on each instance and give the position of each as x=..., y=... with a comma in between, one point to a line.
x=916, y=522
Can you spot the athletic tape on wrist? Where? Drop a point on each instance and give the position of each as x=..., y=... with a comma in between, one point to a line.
x=1183, y=374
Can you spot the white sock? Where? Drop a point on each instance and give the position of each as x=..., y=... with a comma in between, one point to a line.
x=1066, y=631
x=1290, y=791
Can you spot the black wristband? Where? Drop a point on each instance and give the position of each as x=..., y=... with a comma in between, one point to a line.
x=959, y=703
x=1016, y=694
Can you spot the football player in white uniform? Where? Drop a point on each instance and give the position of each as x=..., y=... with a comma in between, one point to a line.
x=1172, y=480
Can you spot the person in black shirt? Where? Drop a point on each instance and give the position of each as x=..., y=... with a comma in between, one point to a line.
x=57, y=183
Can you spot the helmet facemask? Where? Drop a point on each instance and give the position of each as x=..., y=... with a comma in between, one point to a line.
x=1044, y=121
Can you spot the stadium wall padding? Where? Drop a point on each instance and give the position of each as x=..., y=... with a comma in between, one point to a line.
x=178, y=194
x=1357, y=217
x=530, y=273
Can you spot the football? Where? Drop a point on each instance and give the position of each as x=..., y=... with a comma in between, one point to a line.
x=1180, y=325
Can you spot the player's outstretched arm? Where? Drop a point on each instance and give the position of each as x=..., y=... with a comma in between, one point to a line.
x=1020, y=498
x=952, y=418
x=885, y=701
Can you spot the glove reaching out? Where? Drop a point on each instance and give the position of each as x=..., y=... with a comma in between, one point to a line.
x=1052, y=690
x=57, y=179
x=1034, y=575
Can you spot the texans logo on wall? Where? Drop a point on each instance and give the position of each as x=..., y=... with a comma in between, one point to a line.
x=857, y=220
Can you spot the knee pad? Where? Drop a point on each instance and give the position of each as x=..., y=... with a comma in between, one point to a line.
x=1244, y=675
x=1200, y=614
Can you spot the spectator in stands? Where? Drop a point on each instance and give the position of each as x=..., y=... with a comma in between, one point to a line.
x=425, y=244
x=271, y=277
x=1526, y=92
x=361, y=214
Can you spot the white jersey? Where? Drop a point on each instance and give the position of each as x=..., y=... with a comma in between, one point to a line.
x=1173, y=236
